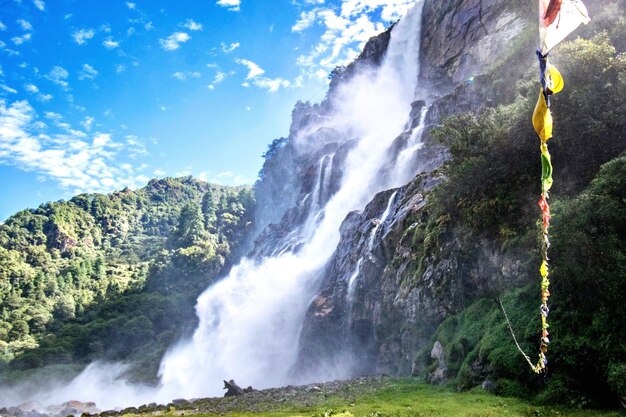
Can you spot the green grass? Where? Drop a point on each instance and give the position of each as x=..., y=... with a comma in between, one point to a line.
x=394, y=398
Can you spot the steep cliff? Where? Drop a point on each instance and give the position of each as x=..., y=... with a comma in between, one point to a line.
x=382, y=297
x=414, y=283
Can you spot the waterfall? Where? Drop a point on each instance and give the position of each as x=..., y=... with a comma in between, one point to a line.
x=250, y=321
x=383, y=219
x=407, y=157
x=370, y=246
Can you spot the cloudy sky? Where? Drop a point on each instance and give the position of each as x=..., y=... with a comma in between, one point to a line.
x=98, y=95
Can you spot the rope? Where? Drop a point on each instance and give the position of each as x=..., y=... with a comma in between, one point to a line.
x=551, y=82
x=508, y=323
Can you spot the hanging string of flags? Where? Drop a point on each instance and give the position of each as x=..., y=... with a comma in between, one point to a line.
x=557, y=19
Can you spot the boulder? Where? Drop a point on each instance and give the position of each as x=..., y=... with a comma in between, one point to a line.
x=233, y=390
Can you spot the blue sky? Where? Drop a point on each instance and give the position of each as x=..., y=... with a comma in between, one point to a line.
x=99, y=95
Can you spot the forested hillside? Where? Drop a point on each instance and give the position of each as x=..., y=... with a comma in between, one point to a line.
x=114, y=276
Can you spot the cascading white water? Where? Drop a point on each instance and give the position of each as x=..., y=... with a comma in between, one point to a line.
x=250, y=321
x=406, y=158
x=370, y=246
x=383, y=219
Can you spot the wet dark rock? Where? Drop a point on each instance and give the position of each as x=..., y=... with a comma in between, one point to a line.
x=232, y=389
x=361, y=327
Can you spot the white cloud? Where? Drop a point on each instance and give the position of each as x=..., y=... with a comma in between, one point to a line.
x=305, y=21
x=87, y=73
x=120, y=68
x=272, y=84
x=253, y=69
x=136, y=147
x=173, y=41
x=232, y=5
x=53, y=116
x=347, y=29
x=227, y=49
x=142, y=179
x=3, y=27
x=77, y=133
x=72, y=160
x=131, y=5
x=39, y=4
x=24, y=24
x=58, y=75
x=106, y=28
x=102, y=140
x=159, y=172
x=191, y=25
x=18, y=40
x=8, y=89
x=255, y=76
x=31, y=88
x=82, y=36
x=109, y=43
x=9, y=52
x=44, y=98
x=183, y=76
x=87, y=123
x=148, y=26
x=219, y=77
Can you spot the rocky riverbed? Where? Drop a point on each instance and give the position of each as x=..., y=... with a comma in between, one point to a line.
x=254, y=401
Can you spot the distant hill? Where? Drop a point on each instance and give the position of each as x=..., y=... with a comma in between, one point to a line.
x=109, y=276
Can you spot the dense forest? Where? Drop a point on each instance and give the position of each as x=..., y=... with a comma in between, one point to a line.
x=113, y=276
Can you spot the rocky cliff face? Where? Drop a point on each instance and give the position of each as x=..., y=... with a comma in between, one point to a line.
x=286, y=193
x=382, y=296
x=465, y=38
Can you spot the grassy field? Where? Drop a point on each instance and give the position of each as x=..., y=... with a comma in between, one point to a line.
x=384, y=397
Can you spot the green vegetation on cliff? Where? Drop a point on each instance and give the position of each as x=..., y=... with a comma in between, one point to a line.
x=114, y=276
x=490, y=196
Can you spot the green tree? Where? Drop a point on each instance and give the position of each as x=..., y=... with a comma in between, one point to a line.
x=208, y=210
x=190, y=229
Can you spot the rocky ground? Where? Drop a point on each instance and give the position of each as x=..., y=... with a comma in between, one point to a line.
x=377, y=396
x=254, y=401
